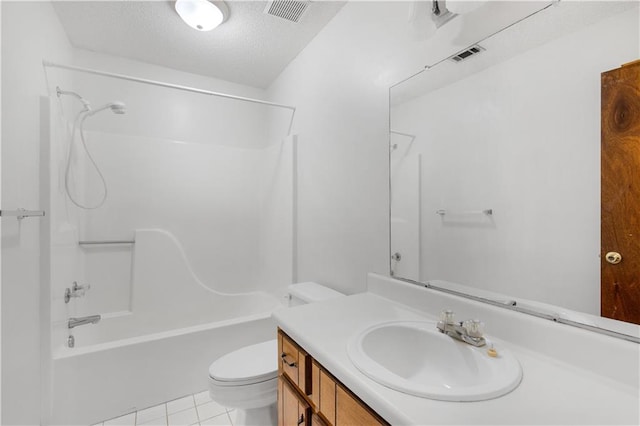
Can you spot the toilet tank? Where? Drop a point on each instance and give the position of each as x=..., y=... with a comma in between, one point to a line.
x=310, y=292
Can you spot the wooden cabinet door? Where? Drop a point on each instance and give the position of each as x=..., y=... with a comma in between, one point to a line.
x=314, y=394
x=292, y=409
x=309, y=396
x=351, y=412
x=620, y=186
x=317, y=421
x=327, y=405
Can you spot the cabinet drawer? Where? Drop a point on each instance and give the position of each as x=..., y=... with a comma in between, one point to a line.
x=309, y=395
x=294, y=363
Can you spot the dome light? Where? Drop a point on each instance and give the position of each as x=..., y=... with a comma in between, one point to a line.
x=461, y=7
x=202, y=15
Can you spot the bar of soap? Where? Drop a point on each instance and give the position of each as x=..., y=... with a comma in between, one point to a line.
x=492, y=352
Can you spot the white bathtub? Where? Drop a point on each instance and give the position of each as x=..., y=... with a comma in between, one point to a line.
x=160, y=349
x=106, y=380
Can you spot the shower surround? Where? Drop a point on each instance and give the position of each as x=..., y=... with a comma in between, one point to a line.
x=207, y=231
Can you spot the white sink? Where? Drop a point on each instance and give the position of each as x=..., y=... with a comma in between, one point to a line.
x=415, y=358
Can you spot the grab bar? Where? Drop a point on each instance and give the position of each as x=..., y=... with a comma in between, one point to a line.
x=76, y=322
x=443, y=212
x=22, y=213
x=105, y=242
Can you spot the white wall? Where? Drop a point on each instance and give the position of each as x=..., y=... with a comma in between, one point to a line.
x=192, y=122
x=205, y=195
x=166, y=113
x=220, y=203
x=339, y=84
x=23, y=50
x=405, y=209
x=276, y=200
x=0, y=221
x=523, y=139
x=200, y=167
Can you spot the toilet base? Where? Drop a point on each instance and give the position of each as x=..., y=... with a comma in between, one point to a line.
x=261, y=416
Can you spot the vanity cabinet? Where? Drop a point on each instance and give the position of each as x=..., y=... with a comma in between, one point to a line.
x=309, y=395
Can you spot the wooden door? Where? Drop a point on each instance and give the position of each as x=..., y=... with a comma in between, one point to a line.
x=620, y=202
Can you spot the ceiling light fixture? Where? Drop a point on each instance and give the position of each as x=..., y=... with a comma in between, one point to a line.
x=460, y=7
x=202, y=15
x=429, y=15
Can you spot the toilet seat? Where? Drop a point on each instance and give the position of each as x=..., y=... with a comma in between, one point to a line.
x=245, y=366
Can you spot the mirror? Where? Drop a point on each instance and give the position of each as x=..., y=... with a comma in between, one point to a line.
x=495, y=163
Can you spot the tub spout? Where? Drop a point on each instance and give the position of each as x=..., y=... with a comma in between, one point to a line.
x=75, y=322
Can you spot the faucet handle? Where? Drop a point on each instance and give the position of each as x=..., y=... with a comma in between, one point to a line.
x=474, y=327
x=447, y=316
x=76, y=288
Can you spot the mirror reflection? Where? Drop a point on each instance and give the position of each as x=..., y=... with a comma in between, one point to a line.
x=496, y=166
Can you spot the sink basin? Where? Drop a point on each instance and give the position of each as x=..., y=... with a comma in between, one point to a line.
x=415, y=358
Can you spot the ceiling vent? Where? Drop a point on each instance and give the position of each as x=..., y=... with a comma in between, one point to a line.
x=466, y=54
x=291, y=10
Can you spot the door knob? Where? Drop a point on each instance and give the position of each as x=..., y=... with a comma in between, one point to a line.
x=613, y=257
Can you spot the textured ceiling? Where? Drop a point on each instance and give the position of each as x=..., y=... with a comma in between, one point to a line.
x=250, y=48
x=549, y=24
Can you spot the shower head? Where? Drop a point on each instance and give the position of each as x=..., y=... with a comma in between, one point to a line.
x=116, y=107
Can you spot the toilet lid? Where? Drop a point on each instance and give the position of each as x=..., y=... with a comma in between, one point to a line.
x=251, y=364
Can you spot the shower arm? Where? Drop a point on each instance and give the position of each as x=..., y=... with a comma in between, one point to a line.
x=85, y=103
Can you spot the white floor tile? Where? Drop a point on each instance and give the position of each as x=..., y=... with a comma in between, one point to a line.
x=210, y=409
x=152, y=413
x=126, y=420
x=202, y=397
x=222, y=419
x=183, y=418
x=161, y=421
x=189, y=410
x=232, y=415
x=180, y=404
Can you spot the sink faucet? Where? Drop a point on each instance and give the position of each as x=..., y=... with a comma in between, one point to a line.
x=75, y=322
x=469, y=331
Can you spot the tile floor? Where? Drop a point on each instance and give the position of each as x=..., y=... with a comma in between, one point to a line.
x=197, y=409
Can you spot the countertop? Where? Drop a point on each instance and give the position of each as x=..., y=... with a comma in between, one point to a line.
x=552, y=390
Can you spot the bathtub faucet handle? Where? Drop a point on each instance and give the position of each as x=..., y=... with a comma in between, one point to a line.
x=80, y=289
x=75, y=291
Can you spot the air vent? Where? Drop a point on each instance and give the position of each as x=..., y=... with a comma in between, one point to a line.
x=466, y=54
x=291, y=10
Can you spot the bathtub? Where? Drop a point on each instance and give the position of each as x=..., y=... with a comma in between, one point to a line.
x=160, y=349
x=106, y=380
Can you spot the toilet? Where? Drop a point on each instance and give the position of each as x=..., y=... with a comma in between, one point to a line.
x=247, y=378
